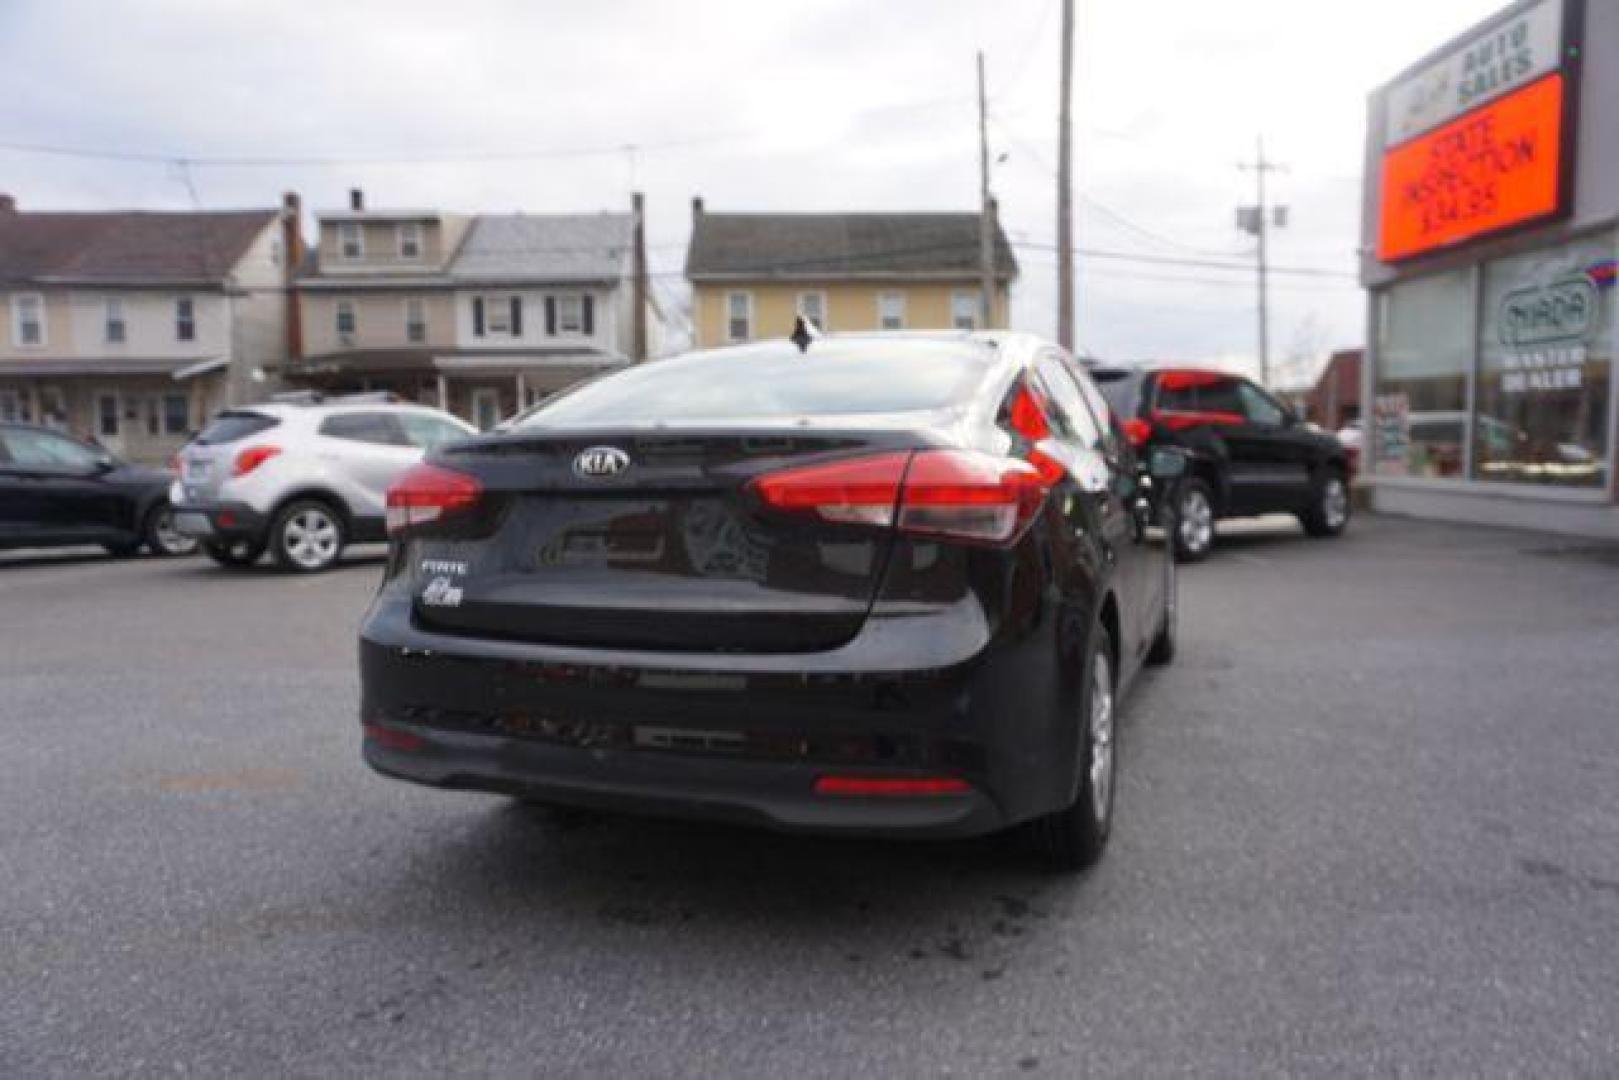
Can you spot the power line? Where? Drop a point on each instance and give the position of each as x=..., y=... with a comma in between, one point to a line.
x=1208, y=264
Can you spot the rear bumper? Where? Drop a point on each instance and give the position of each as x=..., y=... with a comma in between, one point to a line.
x=726, y=737
x=219, y=521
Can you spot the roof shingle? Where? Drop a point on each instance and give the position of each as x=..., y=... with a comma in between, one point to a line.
x=125, y=247
x=545, y=248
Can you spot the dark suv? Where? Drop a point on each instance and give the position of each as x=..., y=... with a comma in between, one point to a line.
x=1249, y=453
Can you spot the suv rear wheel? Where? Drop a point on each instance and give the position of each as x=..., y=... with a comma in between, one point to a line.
x=307, y=536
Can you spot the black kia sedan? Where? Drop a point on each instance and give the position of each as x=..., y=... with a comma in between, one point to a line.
x=56, y=491
x=881, y=583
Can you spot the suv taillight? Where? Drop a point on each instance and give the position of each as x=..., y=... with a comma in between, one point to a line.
x=426, y=494
x=1138, y=431
x=948, y=494
x=251, y=458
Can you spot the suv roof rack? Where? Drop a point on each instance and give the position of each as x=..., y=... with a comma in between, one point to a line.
x=317, y=397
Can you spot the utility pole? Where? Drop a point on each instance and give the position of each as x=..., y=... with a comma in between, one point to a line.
x=986, y=211
x=1257, y=221
x=1065, y=183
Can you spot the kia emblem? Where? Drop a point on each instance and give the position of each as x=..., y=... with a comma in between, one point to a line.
x=600, y=461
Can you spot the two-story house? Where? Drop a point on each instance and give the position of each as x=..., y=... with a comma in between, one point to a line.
x=752, y=274
x=131, y=327
x=478, y=314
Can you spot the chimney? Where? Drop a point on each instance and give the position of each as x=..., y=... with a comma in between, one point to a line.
x=292, y=247
x=639, y=292
x=8, y=203
x=696, y=206
x=356, y=199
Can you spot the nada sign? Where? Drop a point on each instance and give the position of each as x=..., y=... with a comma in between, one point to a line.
x=1505, y=56
x=1498, y=166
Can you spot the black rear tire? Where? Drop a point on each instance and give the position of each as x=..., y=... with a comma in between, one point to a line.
x=233, y=554
x=1074, y=837
x=1194, y=520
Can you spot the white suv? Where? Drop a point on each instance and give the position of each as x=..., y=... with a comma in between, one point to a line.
x=300, y=476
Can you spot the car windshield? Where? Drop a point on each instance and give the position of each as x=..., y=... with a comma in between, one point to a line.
x=773, y=381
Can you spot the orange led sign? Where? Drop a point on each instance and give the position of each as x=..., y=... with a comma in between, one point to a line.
x=1497, y=166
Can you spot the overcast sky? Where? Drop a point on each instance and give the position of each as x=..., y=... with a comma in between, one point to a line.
x=767, y=106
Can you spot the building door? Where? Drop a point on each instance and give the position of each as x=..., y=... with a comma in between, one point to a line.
x=485, y=408
x=109, y=421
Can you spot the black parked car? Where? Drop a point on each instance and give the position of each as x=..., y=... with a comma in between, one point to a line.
x=885, y=584
x=56, y=491
x=1248, y=453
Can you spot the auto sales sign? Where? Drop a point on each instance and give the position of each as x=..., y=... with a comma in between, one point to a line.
x=1476, y=139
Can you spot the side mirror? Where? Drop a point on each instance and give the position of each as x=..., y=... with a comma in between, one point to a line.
x=1166, y=464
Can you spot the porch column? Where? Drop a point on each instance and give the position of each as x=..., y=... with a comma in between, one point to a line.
x=444, y=393
x=522, y=392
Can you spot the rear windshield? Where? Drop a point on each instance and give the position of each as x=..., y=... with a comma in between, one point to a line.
x=1118, y=387
x=775, y=381
x=227, y=427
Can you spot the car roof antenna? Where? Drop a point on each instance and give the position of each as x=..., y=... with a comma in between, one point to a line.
x=804, y=332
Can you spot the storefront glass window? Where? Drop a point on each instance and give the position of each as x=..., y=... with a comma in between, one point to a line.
x=1546, y=359
x=1419, y=419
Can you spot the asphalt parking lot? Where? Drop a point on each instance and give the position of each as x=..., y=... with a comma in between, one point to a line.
x=1368, y=824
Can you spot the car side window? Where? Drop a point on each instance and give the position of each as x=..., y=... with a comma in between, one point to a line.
x=1073, y=415
x=46, y=450
x=429, y=432
x=1259, y=407
x=377, y=428
x=1220, y=395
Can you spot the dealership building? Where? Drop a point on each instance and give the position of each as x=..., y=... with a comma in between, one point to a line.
x=1490, y=246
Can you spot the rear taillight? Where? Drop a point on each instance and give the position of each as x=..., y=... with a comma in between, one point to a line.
x=251, y=458
x=427, y=494
x=949, y=494
x=1137, y=431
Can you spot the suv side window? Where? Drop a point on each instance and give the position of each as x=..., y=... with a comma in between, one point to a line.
x=429, y=432
x=1220, y=395
x=377, y=428
x=1072, y=414
x=1259, y=407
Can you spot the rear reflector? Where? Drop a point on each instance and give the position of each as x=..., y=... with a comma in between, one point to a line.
x=392, y=738
x=950, y=494
x=891, y=785
x=252, y=457
x=426, y=494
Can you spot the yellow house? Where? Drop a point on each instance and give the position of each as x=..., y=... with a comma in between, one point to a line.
x=752, y=274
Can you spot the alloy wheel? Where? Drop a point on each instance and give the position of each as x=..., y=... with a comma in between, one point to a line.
x=310, y=538
x=1334, y=503
x=1196, y=521
x=166, y=538
x=1099, y=732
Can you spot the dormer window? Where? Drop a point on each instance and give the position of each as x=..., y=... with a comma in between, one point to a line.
x=350, y=240
x=409, y=234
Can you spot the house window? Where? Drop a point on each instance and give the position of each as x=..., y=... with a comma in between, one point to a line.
x=28, y=319
x=415, y=321
x=115, y=320
x=345, y=319
x=738, y=316
x=410, y=239
x=350, y=239
x=570, y=314
x=891, y=311
x=812, y=306
x=500, y=314
x=176, y=414
x=107, y=416
x=964, y=310
x=13, y=406
x=185, y=319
